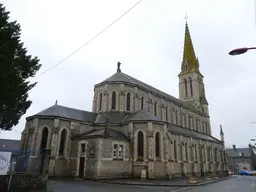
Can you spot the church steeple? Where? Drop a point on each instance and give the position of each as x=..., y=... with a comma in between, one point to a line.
x=191, y=84
x=190, y=62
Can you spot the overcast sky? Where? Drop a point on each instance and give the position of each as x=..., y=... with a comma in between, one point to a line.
x=149, y=38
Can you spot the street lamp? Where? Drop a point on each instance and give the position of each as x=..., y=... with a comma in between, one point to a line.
x=240, y=51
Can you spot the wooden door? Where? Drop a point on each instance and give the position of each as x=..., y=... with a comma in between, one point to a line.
x=81, y=167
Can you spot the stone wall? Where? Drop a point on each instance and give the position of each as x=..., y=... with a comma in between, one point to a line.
x=23, y=182
x=3, y=183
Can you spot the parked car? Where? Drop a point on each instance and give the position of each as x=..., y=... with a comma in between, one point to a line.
x=253, y=173
x=244, y=172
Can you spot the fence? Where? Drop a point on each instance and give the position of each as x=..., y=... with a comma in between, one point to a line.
x=22, y=179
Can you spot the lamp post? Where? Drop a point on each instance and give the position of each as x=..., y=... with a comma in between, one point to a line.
x=240, y=51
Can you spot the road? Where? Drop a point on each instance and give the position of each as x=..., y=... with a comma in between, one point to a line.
x=236, y=184
x=88, y=186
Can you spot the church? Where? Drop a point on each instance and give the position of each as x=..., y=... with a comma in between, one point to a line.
x=133, y=128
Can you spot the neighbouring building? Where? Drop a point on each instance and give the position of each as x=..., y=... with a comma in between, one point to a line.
x=13, y=146
x=132, y=127
x=241, y=158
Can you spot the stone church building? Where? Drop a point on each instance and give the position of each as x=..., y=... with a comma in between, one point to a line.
x=132, y=127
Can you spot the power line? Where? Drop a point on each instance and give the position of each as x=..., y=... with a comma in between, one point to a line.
x=90, y=39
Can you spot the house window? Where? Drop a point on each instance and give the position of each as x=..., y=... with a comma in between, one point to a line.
x=128, y=102
x=186, y=87
x=155, y=108
x=195, y=152
x=100, y=103
x=176, y=117
x=175, y=150
x=118, y=151
x=83, y=148
x=44, y=139
x=140, y=145
x=62, y=141
x=113, y=106
x=141, y=103
x=191, y=86
x=115, y=151
x=157, y=144
x=186, y=151
x=166, y=113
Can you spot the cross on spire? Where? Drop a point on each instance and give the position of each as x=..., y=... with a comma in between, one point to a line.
x=186, y=16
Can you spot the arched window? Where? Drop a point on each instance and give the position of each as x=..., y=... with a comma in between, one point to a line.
x=140, y=146
x=157, y=144
x=175, y=150
x=113, y=106
x=141, y=103
x=189, y=122
x=186, y=151
x=44, y=139
x=166, y=113
x=100, y=103
x=155, y=108
x=62, y=141
x=176, y=114
x=195, y=152
x=191, y=86
x=186, y=87
x=128, y=102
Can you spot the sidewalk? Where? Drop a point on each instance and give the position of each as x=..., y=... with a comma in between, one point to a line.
x=166, y=183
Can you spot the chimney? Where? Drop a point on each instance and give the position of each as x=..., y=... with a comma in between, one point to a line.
x=234, y=147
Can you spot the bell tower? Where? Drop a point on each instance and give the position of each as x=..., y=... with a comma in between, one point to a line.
x=191, y=85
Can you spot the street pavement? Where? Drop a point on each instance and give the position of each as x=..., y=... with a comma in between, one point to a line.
x=235, y=184
x=88, y=186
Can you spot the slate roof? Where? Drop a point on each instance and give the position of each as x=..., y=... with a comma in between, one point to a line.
x=113, y=117
x=187, y=132
x=111, y=133
x=235, y=152
x=120, y=77
x=9, y=145
x=66, y=112
x=141, y=115
x=90, y=117
x=124, y=78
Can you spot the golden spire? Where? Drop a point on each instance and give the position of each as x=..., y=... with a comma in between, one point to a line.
x=190, y=61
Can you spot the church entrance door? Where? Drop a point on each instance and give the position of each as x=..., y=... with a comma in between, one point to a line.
x=81, y=167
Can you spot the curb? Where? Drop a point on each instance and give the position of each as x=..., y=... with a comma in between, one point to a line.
x=166, y=185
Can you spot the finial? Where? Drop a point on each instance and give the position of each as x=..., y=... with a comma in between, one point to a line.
x=221, y=131
x=118, y=67
x=56, y=102
x=186, y=17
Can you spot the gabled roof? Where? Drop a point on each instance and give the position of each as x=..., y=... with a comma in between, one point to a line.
x=66, y=112
x=235, y=152
x=111, y=133
x=141, y=115
x=98, y=118
x=189, y=133
x=112, y=116
x=9, y=145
